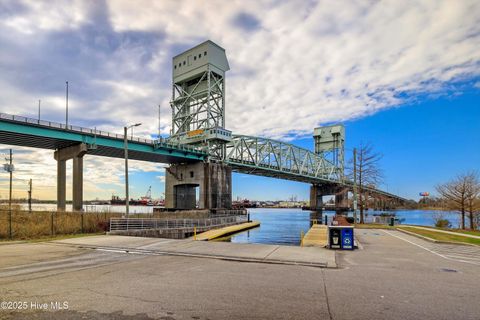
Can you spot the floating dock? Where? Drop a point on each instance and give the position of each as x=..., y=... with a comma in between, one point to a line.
x=316, y=236
x=221, y=232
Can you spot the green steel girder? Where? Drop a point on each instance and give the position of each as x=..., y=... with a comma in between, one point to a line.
x=278, y=159
x=68, y=137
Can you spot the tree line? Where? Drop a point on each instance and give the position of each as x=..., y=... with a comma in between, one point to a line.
x=462, y=194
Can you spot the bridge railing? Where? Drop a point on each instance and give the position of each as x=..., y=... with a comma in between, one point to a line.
x=121, y=224
x=162, y=142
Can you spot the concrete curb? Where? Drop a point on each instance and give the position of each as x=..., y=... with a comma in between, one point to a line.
x=7, y=242
x=435, y=241
x=198, y=255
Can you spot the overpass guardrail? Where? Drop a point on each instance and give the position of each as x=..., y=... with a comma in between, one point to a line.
x=156, y=143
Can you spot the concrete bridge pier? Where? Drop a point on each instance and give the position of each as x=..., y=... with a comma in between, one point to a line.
x=76, y=153
x=213, y=180
x=316, y=197
x=341, y=200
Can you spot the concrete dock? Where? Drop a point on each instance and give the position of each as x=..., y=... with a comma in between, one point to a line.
x=260, y=253
x=221, y=232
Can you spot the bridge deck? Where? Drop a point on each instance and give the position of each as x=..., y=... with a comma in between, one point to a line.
x=26, y=132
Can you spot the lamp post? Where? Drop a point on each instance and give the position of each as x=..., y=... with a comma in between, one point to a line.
x=66, y=105
x=355, y=185
x=125, y=141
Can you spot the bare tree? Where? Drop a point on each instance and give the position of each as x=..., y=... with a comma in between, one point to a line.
x=368, y=173
x=460, y=195
x=473, y=195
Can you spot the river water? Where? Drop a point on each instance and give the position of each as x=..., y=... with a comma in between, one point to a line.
x=279, y=226
x=284, y=226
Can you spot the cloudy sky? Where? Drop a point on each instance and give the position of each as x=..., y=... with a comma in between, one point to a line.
x=306, y=62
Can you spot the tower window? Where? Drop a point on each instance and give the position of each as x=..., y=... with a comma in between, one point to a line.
x=194, y=57
x=175, y=67
x=205, y=53
x=183, y=62
x=191, y=174
x=199, y=55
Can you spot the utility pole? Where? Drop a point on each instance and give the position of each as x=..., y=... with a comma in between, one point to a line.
x=39, y=110
x=10, y=170
x=355, y=185
x=66, y=106
x=30, y=196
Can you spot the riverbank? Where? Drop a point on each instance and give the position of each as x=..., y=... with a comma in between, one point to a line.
x=440, y=235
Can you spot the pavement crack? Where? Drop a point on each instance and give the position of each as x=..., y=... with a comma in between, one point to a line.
x=326, y=294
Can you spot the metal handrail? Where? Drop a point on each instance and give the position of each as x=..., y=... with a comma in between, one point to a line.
x=56, y=125
x=122, y=224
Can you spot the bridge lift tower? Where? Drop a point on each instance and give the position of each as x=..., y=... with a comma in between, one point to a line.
x=330, y=144
x=198, y=119
x=198, y=98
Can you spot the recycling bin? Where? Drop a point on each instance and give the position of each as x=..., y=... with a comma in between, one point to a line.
x=340, y=237
x=347, y=238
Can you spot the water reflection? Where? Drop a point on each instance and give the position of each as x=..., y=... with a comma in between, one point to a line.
x=284, y=226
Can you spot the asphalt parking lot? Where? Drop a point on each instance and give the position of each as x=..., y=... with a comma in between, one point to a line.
x=393, y=276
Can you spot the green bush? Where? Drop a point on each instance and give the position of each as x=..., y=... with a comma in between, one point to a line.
x=443, y=223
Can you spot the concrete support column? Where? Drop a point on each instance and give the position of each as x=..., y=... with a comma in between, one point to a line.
x=76, y=153
x=77, y=186
x=214, y=181
x=316, y=197
x=341, y=201
x=61, y=184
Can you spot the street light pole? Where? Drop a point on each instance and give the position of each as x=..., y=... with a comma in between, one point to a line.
x=125, y=143
x=66, y=106
x=159, y=123
x=355, y=185
x=38, y=110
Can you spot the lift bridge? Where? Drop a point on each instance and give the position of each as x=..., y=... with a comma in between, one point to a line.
x=201, y=152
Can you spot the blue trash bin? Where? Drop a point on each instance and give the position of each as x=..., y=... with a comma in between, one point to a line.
x=347, y=238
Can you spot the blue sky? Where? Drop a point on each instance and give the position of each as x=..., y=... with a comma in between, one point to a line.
x=403, y=76
x=423, y=144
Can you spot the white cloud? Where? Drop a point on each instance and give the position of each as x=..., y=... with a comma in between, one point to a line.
x=313, y=63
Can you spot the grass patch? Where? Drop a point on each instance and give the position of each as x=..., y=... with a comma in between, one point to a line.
x=440, y=236
x=470, y=232
x=373, y=226
x=43, y=225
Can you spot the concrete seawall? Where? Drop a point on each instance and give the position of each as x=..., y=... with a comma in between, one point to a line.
x=171, y=233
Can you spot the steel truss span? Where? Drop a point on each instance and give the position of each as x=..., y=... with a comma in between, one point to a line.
x=277, y=159
x=249, y=154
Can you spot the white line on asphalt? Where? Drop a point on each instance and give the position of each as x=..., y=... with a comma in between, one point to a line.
x=431, y=251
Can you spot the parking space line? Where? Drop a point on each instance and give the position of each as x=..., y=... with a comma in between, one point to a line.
x=416, y=244
x=445, y=255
